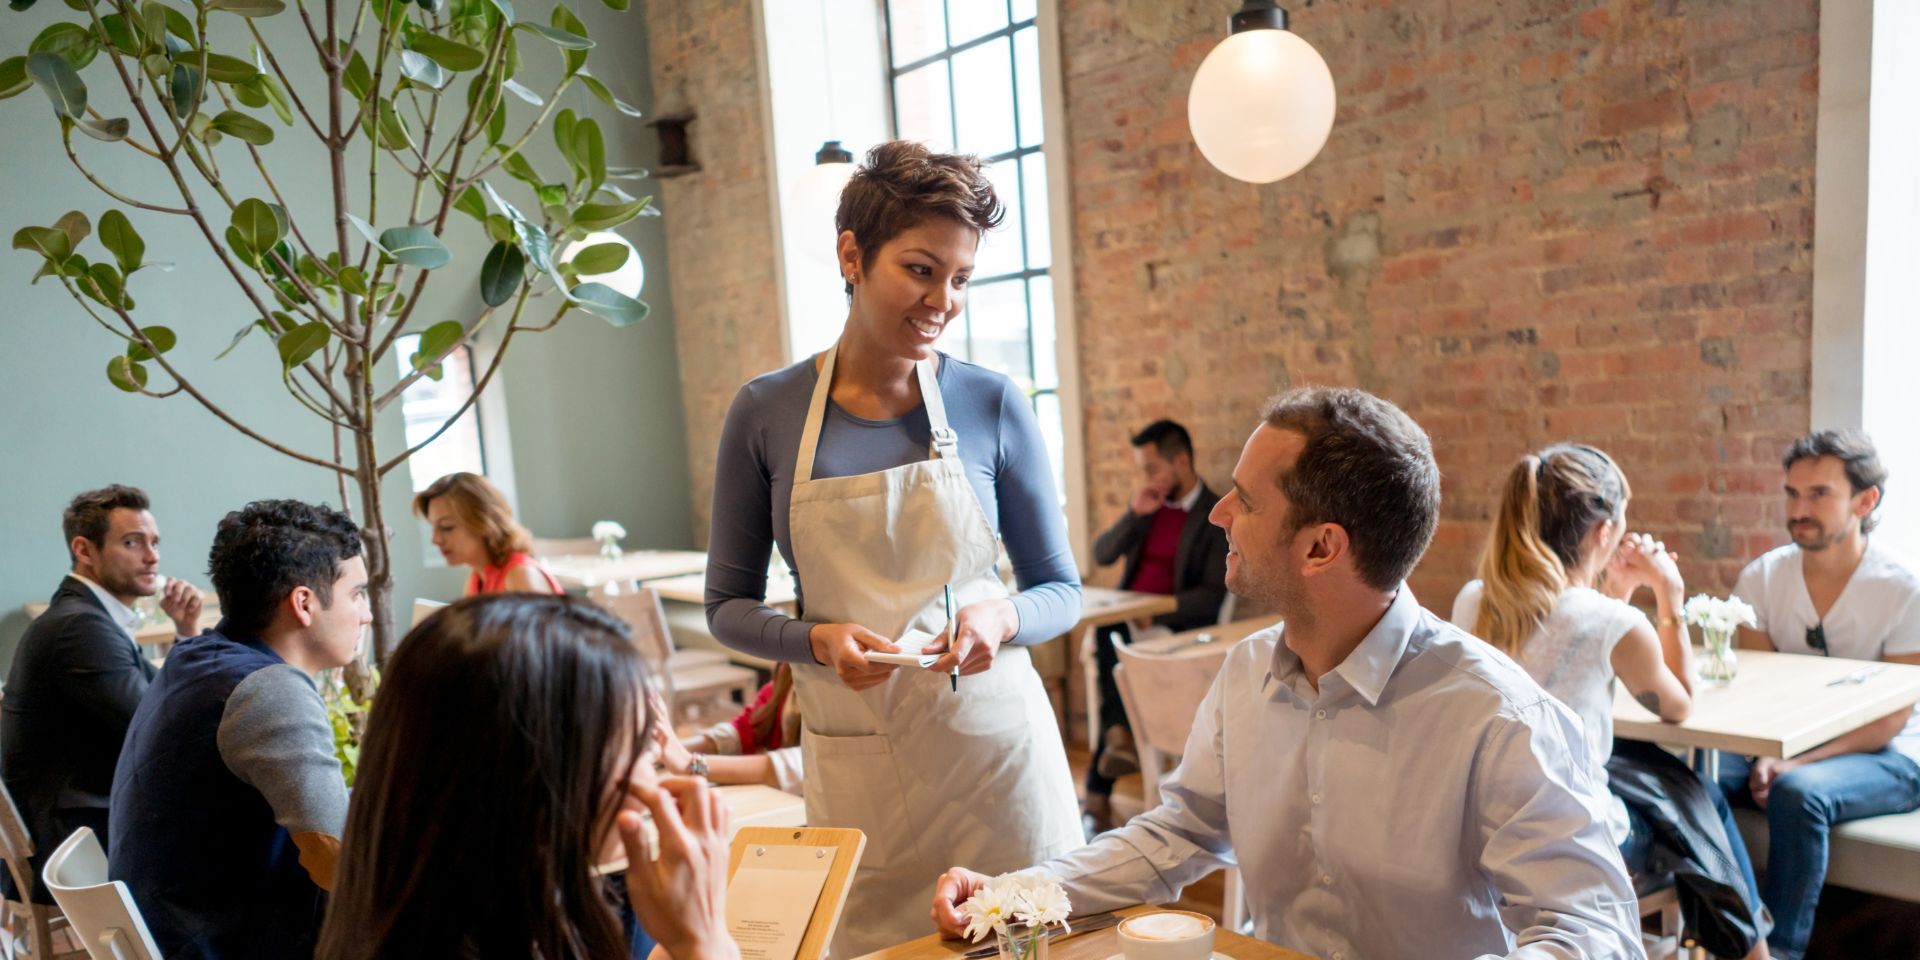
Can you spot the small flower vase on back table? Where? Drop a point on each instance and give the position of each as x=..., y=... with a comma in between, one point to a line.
x=609, y=534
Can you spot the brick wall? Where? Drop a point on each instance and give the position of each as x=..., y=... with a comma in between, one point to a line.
x=718, y=220
x=1540, y=220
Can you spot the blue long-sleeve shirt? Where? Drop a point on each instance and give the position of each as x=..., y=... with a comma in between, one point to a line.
x=1000, y=446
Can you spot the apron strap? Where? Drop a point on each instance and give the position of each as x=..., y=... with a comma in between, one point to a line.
x=816, y=415
x=945, y=443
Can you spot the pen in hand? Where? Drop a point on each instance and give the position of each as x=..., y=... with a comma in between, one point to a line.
x=953, y=678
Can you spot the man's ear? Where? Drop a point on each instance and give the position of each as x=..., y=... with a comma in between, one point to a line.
x=84, y=551
x=1329, y=545
x=1869, y=499
x=304, y=604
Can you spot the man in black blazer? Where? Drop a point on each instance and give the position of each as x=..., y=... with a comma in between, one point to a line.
x=1170, y=548
x=78, y=675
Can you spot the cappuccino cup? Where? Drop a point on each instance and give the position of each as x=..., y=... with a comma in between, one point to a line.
x=1167, y=935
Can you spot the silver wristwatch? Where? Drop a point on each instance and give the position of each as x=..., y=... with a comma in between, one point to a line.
x=698, y=766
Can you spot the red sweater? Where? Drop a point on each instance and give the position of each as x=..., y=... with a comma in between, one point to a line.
x=1163, y=547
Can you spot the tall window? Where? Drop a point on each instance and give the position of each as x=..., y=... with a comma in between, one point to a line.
x=427, y=403
x=965, y=76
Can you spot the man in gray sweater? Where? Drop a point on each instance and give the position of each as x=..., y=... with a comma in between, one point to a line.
x=228, y=802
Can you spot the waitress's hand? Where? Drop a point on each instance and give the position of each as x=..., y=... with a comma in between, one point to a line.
x=844, y=646
x=975, y=636
x=681, y=897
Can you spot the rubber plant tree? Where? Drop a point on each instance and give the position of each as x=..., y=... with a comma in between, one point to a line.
x=423, y=94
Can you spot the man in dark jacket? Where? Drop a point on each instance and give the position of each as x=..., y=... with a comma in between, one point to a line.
x=1170, y=548
x=77, y=675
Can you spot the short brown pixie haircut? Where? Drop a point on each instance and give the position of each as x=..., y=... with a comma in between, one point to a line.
x=90, y=514
x=1367, y=467
x=903, y=184
x=481, y=508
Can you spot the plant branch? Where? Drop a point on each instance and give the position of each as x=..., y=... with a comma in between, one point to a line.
x=552, y=102
x=307, y=400
x=499, y=354
x=393, y=393
x=292, y=92
x=66, y=140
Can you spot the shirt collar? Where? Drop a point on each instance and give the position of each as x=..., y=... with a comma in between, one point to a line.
x=1371, y=664
x=1193, y=496
x=127, y=617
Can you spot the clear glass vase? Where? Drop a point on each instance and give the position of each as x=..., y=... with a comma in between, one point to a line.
x=610, y=549
x=1023, y=943
x=1721, y=664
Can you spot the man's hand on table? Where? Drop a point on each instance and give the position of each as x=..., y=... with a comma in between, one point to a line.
x=954, y=888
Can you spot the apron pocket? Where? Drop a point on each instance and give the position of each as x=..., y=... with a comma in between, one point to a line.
x=854, y=782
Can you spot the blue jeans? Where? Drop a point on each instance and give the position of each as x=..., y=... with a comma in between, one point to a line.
x=1801, y=811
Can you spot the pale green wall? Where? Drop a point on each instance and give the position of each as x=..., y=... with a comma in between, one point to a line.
x=594, y=412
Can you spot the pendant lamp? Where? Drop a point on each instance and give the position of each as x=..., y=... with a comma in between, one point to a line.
x=1262, y=102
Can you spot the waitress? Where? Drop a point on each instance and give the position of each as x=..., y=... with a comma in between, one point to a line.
x=883, y=469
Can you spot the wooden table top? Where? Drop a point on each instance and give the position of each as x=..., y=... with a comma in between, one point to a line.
x=1098, y=945
x=149, y=634
x=576, y=572
x=1190, y=643
x=1778, y=705
x=1100, y=606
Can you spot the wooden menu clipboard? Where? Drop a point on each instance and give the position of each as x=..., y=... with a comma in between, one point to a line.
x=848, y=845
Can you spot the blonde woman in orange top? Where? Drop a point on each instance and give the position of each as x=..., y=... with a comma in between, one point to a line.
x=474, y=527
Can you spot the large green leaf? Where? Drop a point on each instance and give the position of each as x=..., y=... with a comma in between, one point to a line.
x=592, y=151
x=61, y=82
x=75, y=225
x=563, y=124
x=276, y=98
x=437, y=339
x=394, y=134
x=187, y=88
x=233, y=123
x=418, y=68
x=120, y=32
x=606, y=216
x=71, y=41
x=261, y=224
x=600, y=258
x=523, y=92
x=505, y=8
x=447, y=53
x=560, y=38
x=598, y=89
x=104, y=283
x=564, y=21
x=248, y=8
x=162, y=339
x=357, y=78
x=223, y=68
x=13, y=77
x=126, y=374
x=609, y=304
x=366, y=230
x=301, y=343
x=471, y=203
x=521, y=169
x=616, y=4
x=111, y=131
x=117, y=235
x=163, y=19
x=415, y=247
x=49, y=242
x=501, y=274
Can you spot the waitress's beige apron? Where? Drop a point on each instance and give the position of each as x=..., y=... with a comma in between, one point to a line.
x=935, y=778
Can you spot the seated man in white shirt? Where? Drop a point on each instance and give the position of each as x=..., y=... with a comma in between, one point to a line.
x=1388, y=785
x=1831, y=592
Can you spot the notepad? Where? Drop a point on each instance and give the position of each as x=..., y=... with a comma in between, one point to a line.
x=911, y=644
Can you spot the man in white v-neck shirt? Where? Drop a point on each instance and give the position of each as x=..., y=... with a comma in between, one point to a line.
x=1835, y=592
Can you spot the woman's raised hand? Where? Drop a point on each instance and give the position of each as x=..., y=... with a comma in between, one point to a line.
x=681, y=895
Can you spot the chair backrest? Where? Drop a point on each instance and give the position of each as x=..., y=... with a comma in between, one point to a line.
x=101, y=911
x=16, y=845
x=640, y=608
x=1162, y=692
x=423, y=609
x=565, y=546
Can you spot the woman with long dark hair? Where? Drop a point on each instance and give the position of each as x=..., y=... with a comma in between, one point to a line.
x=507, y=756
x=1558, y=569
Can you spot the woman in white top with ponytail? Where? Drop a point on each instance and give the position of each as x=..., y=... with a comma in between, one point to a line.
x=1558, y=569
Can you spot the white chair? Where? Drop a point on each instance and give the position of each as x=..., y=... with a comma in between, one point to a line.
x=32, y=924
x=1162, y=692
x=422, y=609
x=102, y=911
x=695, y=679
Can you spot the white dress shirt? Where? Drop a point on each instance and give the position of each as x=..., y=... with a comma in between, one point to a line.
x=1429, y=800
x=127, y=617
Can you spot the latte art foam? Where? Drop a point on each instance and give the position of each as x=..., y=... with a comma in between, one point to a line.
x=1167, y=926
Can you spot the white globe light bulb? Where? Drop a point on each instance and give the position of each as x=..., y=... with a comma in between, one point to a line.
x=818, y=190
x=1261, y=105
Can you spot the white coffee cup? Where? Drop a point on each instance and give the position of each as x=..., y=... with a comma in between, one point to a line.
x=1166, y=935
